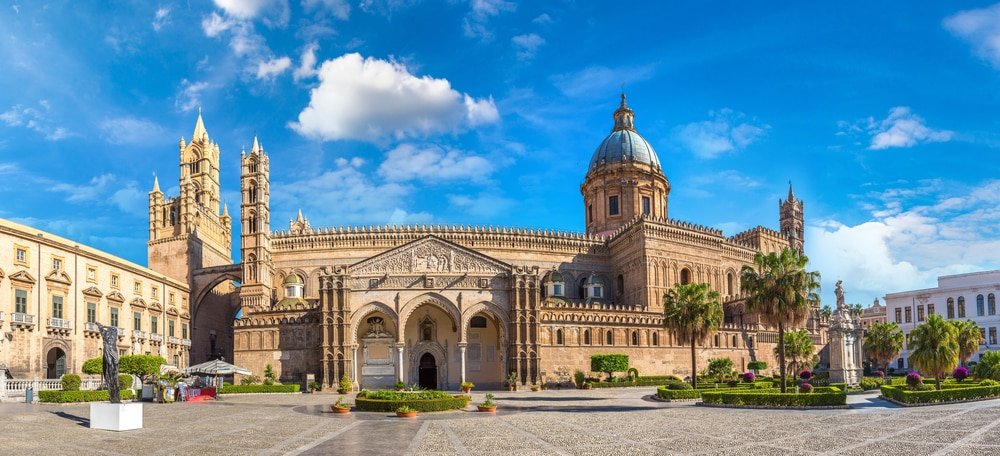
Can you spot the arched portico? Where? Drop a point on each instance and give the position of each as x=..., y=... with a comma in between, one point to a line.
x=484, y=344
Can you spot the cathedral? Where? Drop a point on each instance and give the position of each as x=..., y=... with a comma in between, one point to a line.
x=438, y=305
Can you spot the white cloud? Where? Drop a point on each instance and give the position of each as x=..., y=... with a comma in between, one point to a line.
x=727, y=131
x=245, y=9
x=543, y=18
x=599, y=81
x=130, y=130
x=270, y=69
x=527, y=45
x=190, y=95
x=307, y=64
x=126, y=196
x=476, y=23
x=903, y=129
x=385, y=7
x=914, y=235
x=433, y=164
x=370, y=99
x=161, y=18
x=214, y=24
x=35, y=119
x=337, y=8
x=981, y=29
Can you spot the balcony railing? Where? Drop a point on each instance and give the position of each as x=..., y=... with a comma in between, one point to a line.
x=19, y=318
x=59, y=323
x=1, y=316
x=186, y=342
x=154, y=337
x=173, y=340
x=90, y=327
x=138, y=334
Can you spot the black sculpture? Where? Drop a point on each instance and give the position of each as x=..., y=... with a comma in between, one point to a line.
x=110, y=336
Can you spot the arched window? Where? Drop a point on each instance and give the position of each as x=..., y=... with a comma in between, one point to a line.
x=656, y=339
x=685, y=276
x=478, y=321
x=621, y=284
x=951, y=308
x=173, y=216
x=610, y=339
x=252, y=266
x=991, y=304
x=961, y=307
x=252, y=166
x=729, y=283
x=635, y=338
x=252, y=192
x=559, y=337
x=586, y=337
x=980, y=306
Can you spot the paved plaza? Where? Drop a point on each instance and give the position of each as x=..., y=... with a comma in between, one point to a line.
x=605, y=422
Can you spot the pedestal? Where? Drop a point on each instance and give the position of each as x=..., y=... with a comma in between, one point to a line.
x=116, y=417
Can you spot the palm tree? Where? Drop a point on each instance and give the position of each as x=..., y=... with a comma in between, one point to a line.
x=780, y=290
x=798, y=348
x=968, y=336
x=883, y=343
x=935, y=348
x=694, y=313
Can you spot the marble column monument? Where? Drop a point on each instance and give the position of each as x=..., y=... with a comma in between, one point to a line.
x=846, y=339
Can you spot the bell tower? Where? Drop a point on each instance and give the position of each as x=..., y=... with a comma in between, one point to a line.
x=791, y=220
x=255, y=236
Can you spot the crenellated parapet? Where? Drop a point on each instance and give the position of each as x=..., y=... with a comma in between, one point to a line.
x=762, y=239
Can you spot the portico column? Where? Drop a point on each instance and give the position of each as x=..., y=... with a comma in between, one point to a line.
x=399, y=377
x=461, y=348
x=354, y=367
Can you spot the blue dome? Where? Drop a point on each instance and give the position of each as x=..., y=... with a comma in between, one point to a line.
x=624, y=143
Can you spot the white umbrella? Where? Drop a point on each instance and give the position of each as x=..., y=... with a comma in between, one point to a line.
x=216, y=367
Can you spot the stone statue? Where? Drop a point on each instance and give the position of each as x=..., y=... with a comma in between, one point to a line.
x=840, y=293
x=110, y=336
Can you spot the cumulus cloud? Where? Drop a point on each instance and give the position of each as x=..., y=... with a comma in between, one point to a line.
x=247, y=9
x=477, y=23
x=433, y=164
x=270, y=69
x=527, y=45
x=727, y=131
x=307, y=64
x=902, y=128
x=130, y=130
x=161, y=18
x=981, y=29
x=370, y=99
x=596, y=81
x=36, y=119
x=189, y=95
x=915, y=234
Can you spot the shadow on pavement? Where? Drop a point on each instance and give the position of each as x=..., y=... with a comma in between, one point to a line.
x=85, y=422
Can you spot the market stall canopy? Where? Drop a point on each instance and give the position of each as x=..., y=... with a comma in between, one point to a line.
x=216, y=367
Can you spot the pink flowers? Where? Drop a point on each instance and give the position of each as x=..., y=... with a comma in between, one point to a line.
x=748, y=377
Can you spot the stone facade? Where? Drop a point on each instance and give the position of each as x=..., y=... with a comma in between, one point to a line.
x=55, y=290
x=872, y=315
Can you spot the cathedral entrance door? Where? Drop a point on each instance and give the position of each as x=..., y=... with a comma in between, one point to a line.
x=428, y=371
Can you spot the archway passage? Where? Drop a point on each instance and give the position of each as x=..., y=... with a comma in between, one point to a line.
x=55, y=362
x=428, y=371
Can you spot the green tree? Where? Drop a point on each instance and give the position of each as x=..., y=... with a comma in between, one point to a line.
x=935, y=348
x=720, y=368
x=756, y=366
x=780, y=290
x=693, y=312
x=988, y=366
x=609, y=364
x=144, y=366
x=969, y=337
x=826, y=311
x=270, y=377
x=799, y=349
x=93, y=366
x=883, y=343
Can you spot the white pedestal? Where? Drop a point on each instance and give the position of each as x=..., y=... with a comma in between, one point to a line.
x=116, y=417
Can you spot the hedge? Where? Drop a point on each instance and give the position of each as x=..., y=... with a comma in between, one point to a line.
x=973, y=392
x=390, y=395
x=242, y=389
x=669, y=394
x=457, y=402
x=754, y=385
x=61, y=397
x=821, y=396
x=643, y=381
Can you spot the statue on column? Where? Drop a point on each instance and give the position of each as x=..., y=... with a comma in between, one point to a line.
x=110, y=336
x=846, y=339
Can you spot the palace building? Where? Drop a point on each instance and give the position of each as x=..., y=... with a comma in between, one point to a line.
x=436, y=305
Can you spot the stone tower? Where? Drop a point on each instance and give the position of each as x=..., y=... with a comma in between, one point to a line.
x=187, y=232
x=624, y=180
x=791, y=220
x=255, y=237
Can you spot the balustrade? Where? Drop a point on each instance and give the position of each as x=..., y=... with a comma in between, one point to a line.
x=59, y=323
x=22, y=318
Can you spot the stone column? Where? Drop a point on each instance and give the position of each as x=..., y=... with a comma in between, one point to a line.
x=400, y=377
x=354, y=367
x=461, y=348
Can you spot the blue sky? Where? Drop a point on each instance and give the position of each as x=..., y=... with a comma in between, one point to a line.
x=487, y=112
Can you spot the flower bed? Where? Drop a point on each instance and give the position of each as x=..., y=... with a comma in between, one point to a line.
x=820, y=397
x=949, y=393
x=421, y=401
x=63, y=397
x=245, y=389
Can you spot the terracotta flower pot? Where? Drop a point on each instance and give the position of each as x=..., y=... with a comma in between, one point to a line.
x=490, y=409
x=406, y=414
x=340, y=409
x=466, y=390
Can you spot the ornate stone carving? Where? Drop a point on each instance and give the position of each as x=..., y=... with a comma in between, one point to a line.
x=429, y=254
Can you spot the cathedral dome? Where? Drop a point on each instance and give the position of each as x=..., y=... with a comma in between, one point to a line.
x=624, y=144
x=293, y=279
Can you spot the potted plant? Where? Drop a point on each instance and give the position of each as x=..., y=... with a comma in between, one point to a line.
x=313, y=387
x=345, y=384
x=579, y=378
x=512, y=381
x=400, y=385
x=341, y=407
x=406, y=412
x=586, y=385
x=467, y=387
x=488, y=405
x=536, y=388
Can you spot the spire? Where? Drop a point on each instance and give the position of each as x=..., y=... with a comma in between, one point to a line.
x=624, y=117
x=225, y=210
x=199, y=128
x=255, y=148
x=156, y=184
x=791, y=194
x=300, y=218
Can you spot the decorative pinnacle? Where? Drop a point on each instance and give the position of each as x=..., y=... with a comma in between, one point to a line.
x=156, y=184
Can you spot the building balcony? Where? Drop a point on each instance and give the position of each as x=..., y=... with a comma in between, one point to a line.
x=137, y=334
x=22, y=319
x=186, y=342
x=154, y=337
x=59, y=323
x=173, y=340
x=91, y=327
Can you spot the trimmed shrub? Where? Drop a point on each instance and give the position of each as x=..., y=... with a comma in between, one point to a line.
x=960, y=373
x=642, y=381
x=62, y=397
x=677, y=386
x=669, y=393
x=805, y=388
x=825, y=396
x=609, y=363
x=579, y=377
x=869, y=384
x=805, y=375
x=757, y=366
x=125, y=381
x=421, y=401
x=932, y=395
x=243, y=389
x=93, y=366
x=632, y=374
x=748, y=377
x=70, y=382
x=989, y=382
x=390, y=395
x=913, y=379
x=142, y=365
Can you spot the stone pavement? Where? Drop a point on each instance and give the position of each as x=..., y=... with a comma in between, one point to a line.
x=564, y=422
